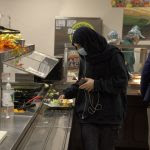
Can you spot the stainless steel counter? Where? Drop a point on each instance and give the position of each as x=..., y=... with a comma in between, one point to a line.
x=47, y=130
x=40, y=128
x=16, y=127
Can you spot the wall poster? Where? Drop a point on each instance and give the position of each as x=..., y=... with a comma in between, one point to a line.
x=65, y=27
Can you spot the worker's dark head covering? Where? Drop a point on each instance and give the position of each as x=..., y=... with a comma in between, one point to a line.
x=91, y=41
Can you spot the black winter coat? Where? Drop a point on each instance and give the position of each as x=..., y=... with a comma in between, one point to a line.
x=106, y=104
x=145, y=80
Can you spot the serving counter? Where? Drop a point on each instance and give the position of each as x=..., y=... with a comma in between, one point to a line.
x=16, y=127
x=18, y=123
x=44, y=130
x=49, y=129
x=40, y=127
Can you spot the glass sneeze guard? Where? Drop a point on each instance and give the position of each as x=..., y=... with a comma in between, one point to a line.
x=37, y=63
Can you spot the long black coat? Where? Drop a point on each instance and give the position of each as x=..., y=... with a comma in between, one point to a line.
x=106, y=104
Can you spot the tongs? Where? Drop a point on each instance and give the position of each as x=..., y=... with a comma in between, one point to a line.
x=29, y=102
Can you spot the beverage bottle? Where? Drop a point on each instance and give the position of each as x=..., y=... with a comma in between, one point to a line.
x=8, y=100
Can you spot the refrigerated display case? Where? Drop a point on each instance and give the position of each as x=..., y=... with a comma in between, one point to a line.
x=29, y=97
x=36, y=64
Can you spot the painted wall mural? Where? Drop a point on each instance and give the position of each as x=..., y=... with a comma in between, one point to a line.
x=130, y=3
x=139, y=17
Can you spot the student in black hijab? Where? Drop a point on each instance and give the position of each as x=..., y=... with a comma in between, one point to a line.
x=101, y=90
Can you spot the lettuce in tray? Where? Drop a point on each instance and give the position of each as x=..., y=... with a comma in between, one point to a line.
x=60, y=103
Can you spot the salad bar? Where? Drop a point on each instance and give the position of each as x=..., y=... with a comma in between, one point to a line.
x=52, y=100
x=37, y=113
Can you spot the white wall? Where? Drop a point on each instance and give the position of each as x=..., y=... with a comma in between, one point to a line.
x=35, y=18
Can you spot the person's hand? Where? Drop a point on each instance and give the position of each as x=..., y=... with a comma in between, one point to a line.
x=89, y=85
x=61, y=96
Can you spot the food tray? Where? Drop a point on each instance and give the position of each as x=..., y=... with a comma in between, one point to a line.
x=51, y=106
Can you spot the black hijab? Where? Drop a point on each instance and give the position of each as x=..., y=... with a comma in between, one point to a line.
x=90, y=40
x=95, y=45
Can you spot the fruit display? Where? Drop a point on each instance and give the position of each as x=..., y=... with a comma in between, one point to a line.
x=9, y=41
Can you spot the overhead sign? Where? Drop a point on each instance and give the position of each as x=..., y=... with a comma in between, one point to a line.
x=66, y=26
